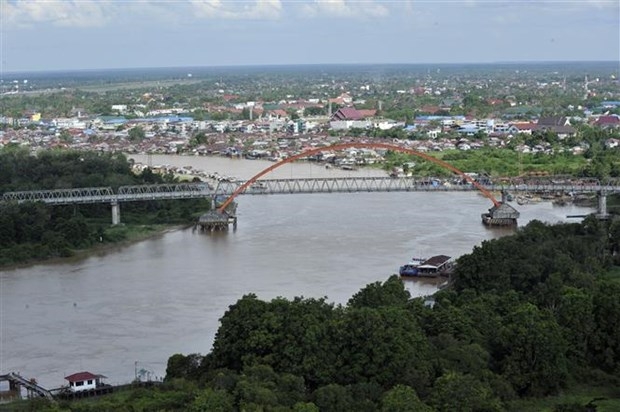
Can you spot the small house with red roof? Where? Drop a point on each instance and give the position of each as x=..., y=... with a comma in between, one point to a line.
x=84, y=381
x=608, y=121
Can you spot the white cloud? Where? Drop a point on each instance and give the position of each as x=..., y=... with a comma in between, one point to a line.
x=345, y=9
x=99, y=13
x=244, y=10
x=72, y=13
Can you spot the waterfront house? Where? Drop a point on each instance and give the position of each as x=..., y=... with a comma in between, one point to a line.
x=84, y=381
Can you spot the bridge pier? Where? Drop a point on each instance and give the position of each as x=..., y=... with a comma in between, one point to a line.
x=506, y=196
x=116, y=213
x=14, y=392
x=216, y=221
x=601, y=212
x=501, y=214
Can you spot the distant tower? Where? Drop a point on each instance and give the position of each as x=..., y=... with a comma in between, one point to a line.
x=329, y=110
x=251, y=112
x=380, y=105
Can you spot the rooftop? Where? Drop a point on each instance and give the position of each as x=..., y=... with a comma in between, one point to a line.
x=82, y=376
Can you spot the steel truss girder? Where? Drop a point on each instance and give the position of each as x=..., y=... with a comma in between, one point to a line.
x=164, y=191
x=389, y=184
x=63, y=196
x=290, y=186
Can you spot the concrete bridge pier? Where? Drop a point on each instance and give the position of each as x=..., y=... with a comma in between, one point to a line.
x=505, y=196
x=601, y=212
x=14, y=392
x=116, y=213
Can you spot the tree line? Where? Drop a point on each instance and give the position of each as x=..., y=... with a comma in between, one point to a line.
x=34, y=231
x=526, y=316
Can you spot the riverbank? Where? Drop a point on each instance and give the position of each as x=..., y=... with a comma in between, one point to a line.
x=127, y=235
x=133, y=234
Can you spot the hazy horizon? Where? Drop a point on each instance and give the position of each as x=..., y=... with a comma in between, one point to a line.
x=67, y=35
x=317, y=65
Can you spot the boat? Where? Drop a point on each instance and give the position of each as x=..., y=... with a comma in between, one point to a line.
x=440, y=265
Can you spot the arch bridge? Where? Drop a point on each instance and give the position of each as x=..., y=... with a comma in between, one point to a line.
x=499, y=214
x=357, y=145
x=258, y=186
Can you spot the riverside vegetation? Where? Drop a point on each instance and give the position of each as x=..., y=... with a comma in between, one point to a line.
x=34, y=231
x=530, y=322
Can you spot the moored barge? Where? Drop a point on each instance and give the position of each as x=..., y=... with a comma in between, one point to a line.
x=440, y=265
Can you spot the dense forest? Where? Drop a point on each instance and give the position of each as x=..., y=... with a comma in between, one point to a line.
x=530, y=322
x=33, y=231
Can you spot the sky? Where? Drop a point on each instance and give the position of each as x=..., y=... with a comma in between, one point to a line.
x=42, y=35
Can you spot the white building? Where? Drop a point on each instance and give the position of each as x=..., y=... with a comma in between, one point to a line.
x=119, y=108
x=84, y=381
x=69, y=123
x=348, y=124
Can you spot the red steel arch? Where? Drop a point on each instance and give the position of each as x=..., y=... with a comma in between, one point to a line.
x=342, y=146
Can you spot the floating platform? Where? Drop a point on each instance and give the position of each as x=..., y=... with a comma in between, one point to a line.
x=216, y=221
x=501, y=215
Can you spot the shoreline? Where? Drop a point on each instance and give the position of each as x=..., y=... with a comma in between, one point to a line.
x=101, y=249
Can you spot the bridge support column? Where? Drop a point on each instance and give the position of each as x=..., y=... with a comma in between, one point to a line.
x=116, y=213
x=15, y=390
x=602, y=204
x=505, y=196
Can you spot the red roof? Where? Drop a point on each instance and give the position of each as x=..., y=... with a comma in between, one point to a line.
x=367, y=112
x=351, y=113
x=82, y=376
x=608, y=120
x=430, y=109
x=279, y=112
x=525, y=126
x=347, y=113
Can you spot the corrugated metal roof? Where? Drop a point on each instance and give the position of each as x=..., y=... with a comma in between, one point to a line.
x=82, y=376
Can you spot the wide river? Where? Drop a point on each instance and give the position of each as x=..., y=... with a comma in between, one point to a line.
x=127, y=310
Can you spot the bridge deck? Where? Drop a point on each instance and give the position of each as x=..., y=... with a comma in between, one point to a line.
x=289, y=186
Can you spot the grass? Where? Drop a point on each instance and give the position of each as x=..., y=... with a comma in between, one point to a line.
x=612, y=274
x=125, y=234
x=606, y=399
